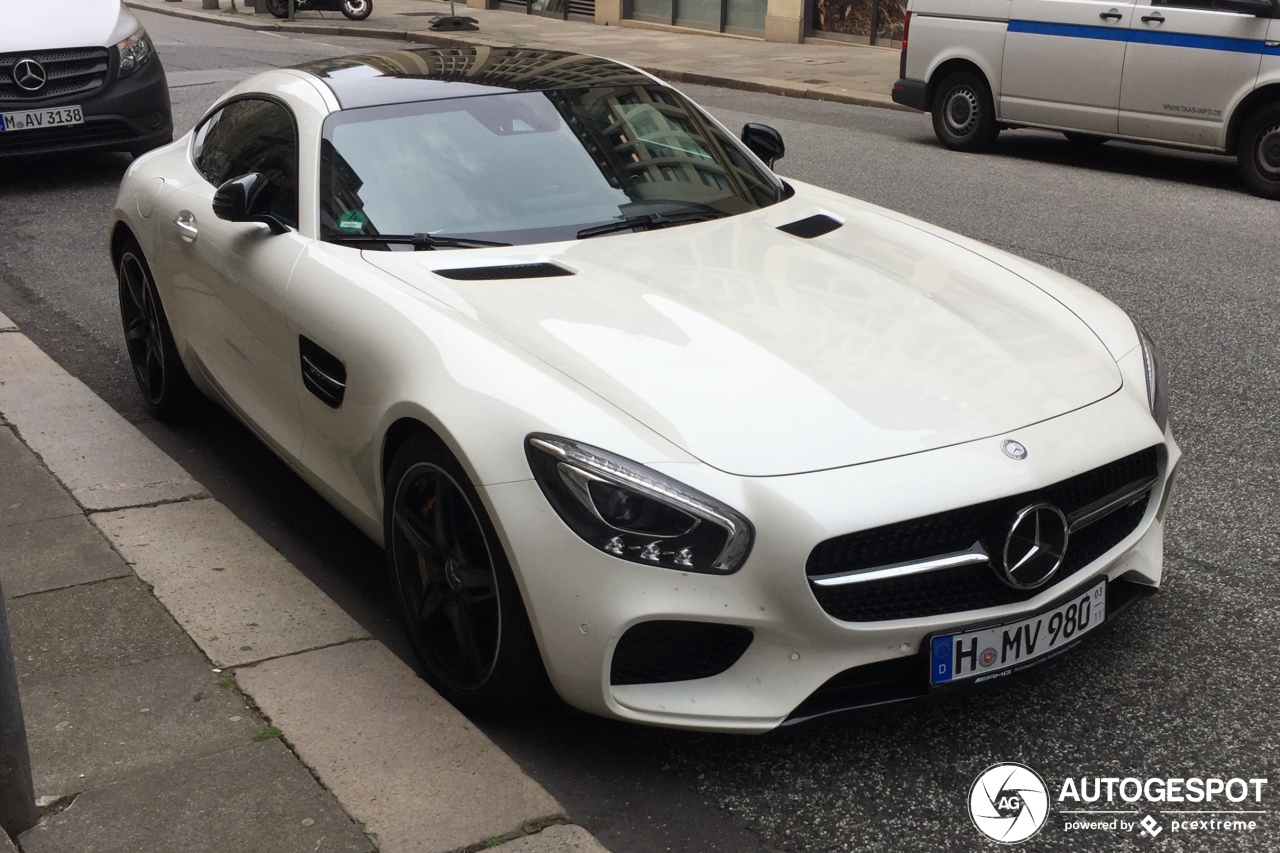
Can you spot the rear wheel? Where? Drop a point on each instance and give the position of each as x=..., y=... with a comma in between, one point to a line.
x=163, y=380
x=357, y=10
x=964, y=115
x=1084, y=140
x=279, y=8
x=1259, y=152
x=458, y=598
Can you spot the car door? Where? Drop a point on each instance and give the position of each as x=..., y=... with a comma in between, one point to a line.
x=1187, y=63
x=230, y=279
x=1063, y=61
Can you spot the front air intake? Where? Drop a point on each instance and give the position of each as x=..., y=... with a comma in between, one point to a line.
x=671, y=650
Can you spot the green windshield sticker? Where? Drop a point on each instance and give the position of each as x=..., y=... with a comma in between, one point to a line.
x=352, y=221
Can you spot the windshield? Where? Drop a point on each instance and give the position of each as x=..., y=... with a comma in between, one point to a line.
x=532, y=167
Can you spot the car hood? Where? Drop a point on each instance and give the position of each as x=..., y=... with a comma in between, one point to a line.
x=763, y=353
x=49, y=24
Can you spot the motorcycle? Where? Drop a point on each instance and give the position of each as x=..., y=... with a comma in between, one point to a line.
x=356, y=10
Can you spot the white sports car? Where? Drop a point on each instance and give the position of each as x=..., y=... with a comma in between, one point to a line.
x=629, y=413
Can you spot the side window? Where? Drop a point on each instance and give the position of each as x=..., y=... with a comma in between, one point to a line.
x=1190, y=4
x=252, y=135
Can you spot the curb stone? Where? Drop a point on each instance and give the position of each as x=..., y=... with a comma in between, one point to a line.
x=374, y=698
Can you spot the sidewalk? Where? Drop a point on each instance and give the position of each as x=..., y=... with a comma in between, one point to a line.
x=187, y=689
x=846, y=73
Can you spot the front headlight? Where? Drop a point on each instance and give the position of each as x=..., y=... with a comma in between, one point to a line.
x=636, y=513
x=135, y=52
x=1157, y=397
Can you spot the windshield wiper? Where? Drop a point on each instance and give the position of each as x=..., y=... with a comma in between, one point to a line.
x=645, y=221
x=420, y=242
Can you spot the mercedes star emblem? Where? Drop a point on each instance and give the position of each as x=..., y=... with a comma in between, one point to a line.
x=29, y=75
x=1035, y=546
x=1014, y=449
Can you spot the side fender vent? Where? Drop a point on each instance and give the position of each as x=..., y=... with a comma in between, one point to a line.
x=323, y=374
x=811, y=226
x=508, y=271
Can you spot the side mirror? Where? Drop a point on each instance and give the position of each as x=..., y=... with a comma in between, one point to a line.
x=242, y=200
x=765, y=142
x=1259, y=8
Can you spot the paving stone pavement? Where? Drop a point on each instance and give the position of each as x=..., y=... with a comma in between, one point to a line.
x=185, y=688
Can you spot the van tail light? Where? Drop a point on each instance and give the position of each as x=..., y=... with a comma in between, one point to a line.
x=906, y=28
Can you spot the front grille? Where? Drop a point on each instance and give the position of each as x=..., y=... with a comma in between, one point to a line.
x=971, y=587
x=75, y=134
x=76, y=72
x=891, y=682
x=670, y=650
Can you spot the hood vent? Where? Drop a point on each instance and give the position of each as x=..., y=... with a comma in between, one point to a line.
x=507, y=271
x=811, y=226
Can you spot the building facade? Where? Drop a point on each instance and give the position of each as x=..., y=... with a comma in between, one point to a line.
x=862, y=21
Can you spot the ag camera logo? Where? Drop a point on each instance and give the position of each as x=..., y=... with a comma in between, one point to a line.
x=1009, y=803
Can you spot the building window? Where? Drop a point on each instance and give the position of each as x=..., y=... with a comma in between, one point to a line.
x=735, y=16
x=869, y=21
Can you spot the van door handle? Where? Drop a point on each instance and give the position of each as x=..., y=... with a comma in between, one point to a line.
x=1113, y=15
x=1156, y=18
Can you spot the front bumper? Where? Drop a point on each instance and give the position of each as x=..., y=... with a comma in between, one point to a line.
x=582, y=601
x=130, y=114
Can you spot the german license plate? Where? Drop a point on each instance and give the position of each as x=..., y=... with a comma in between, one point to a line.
x=32, y=119
x=985, y=653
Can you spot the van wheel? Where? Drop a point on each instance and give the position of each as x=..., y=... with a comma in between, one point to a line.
x=964, y=115
x=1084, y=140
x=1259, y=152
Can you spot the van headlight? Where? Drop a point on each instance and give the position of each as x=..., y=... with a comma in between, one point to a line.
x=635, y=513
x=135, y=52
x=1157, y=395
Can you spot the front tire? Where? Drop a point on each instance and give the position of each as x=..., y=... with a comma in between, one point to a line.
x=457, y=595
x=964, y=115
x=1258, y=154
x=158, y=369
x=357, y=10
x=279, y=8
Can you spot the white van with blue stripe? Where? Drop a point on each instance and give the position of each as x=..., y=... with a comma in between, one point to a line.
x=1199, y=74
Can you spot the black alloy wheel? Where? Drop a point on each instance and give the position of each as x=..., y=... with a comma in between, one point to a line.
x=156, y=366
x=964, y=115
x=1258, y=154
x=357, y=10
x=457, y=595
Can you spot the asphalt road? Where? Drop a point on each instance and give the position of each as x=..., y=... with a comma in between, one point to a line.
x=1184, y=685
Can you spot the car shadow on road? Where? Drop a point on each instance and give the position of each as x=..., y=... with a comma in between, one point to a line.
x=1166, y=164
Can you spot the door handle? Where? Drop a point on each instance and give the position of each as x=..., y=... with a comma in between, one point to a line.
x=1157, y=18
x=1113, y=15
x=185, y=222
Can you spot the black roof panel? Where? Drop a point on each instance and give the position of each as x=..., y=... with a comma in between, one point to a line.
x=428, y=74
